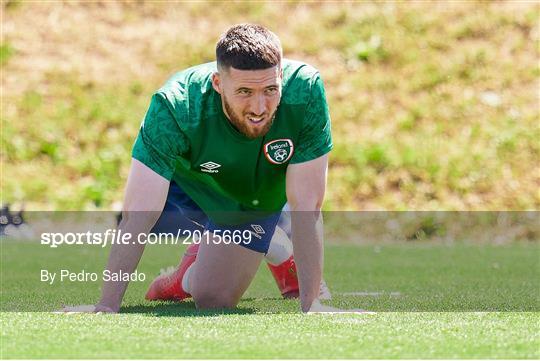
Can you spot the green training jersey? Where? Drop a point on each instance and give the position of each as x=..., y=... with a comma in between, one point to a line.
x=186, y=137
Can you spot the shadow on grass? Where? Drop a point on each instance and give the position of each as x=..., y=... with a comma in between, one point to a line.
x=183, y=309
x=188, y=309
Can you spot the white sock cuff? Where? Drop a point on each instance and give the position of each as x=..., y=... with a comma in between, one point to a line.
x=280, y=248
x=185, y=279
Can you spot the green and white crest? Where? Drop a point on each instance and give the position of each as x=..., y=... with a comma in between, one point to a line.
x=279, y=151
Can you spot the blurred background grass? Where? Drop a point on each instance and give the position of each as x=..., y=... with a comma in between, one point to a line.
x=435, y=105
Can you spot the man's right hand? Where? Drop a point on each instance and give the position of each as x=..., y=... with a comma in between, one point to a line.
x=318, y=308
x=86, y=309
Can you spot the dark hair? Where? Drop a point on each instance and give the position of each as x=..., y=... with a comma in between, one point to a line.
x=248, y=47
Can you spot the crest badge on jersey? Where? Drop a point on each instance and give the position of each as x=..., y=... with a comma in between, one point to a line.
x=279, y=151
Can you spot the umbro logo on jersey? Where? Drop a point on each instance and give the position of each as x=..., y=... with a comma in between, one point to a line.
x=257, y=230
x=279, y=151
x=210, y=167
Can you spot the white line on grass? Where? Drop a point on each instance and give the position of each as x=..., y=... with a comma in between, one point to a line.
x=371, y=294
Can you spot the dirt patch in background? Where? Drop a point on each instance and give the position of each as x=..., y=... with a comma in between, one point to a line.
x=109, y=41
x=103, y=42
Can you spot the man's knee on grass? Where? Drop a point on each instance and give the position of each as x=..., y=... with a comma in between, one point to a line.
x=213, y=298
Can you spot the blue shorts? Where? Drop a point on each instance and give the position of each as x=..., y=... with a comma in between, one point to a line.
x=181, y=215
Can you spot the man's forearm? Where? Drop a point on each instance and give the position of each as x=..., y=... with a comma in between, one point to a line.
x=307, y=241
x=126, y=257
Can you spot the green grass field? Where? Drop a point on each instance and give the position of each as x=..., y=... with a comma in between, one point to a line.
x=434, y=106
x=433, y=301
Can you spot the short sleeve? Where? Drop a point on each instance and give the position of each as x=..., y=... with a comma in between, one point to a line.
x=315, y=137
x=160, y=141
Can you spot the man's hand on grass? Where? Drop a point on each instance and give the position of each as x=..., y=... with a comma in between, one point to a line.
x=317, y=308
x=86, y=309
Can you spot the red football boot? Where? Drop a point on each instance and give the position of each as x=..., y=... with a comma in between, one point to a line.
x=287, y=280
x=168, y=286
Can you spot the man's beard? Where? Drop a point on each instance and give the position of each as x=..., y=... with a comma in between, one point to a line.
x=241, y=125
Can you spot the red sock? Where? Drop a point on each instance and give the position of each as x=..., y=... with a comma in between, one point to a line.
x=286, y=278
